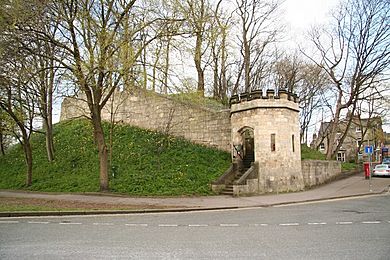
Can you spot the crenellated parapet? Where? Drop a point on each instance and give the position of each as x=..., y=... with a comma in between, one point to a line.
x=282, y=94
x=264, y=100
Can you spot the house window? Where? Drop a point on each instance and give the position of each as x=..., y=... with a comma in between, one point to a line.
x=273, y=146
x=358, y=129
x=292, y=143
x=358, y=142
x=322, y=147
x=341, y=156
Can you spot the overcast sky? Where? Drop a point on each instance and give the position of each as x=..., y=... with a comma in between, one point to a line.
x=301, y=14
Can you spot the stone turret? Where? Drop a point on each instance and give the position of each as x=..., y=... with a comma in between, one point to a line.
x=273, y=120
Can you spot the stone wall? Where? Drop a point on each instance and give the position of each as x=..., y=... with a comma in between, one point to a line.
x=316, y=172
x=157, y=112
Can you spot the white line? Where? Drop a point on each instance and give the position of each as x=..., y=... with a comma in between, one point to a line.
x=289, y=224
x=70, y=223
x=261, y=225
x=168, y=225
x=198, y=225
x=317, y=223
x=38, y=222
x=229, y=225
x=136, y=225
x=371, y=222
x=9, y=222
x=103, y=224
x=344, y=223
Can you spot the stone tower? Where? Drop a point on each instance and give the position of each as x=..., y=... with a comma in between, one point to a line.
x=265, y=131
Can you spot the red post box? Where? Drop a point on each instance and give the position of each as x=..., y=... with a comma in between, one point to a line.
x=367, y=170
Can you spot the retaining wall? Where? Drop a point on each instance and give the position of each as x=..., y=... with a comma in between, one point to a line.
x=157, y=112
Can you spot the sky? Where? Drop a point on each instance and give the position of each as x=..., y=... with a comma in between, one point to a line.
x=301, y=14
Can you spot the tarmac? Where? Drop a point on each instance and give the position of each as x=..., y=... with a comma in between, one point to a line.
x=353, y=186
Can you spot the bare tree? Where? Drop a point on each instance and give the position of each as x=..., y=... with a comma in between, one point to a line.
x=258, y=31
x=355, y=53
x=218, y=38
x=197, y=15
x=310, y=90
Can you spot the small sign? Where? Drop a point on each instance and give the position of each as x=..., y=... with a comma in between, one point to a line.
x=368, y=149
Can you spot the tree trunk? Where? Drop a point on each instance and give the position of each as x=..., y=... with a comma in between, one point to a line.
x=333, y=129
x=29, y=162
x=102, y=148
x=49, y=139
x=27, y=154
x=198, y=63
x=166, y=67
x=49, y=114
x=223, y=83
x=2, y=150
x=247, y=60
x=216, y=88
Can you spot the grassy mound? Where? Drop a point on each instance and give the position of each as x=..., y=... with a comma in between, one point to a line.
x=308, y=153
x=144, y=163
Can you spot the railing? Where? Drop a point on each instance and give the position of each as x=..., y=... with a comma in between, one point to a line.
x=251, y=173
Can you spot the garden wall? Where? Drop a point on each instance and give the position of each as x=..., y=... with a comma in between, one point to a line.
x=316, y=172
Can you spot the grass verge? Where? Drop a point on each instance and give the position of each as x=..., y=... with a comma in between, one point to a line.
x=144, y=163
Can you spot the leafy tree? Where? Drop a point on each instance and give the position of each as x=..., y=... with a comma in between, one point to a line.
x=101, y=43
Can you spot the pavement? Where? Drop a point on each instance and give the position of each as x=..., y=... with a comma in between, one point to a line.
x=353, y=186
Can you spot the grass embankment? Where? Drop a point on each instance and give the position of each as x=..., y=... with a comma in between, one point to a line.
x=310, y=154
x=145, y=163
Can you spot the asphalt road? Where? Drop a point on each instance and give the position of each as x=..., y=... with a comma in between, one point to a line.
x=356, y=228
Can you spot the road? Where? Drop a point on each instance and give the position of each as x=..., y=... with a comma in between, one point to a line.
x=357, y=228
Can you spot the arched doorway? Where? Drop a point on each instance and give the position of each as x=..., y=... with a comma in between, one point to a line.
x=248, y=142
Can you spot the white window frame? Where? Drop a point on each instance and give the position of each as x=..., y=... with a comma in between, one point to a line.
x=341, y=156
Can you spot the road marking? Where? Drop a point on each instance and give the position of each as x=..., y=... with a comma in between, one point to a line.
x=136, y=225
x=9, y=222
x=261, y=225
x=344, y=223
x=70, y=223
x=229, y=225
x=198, y=225
x=38, y=222
x=289, y=224
x=103, y=224
x=371, y=222
x=168, y=225
x=317, y=223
